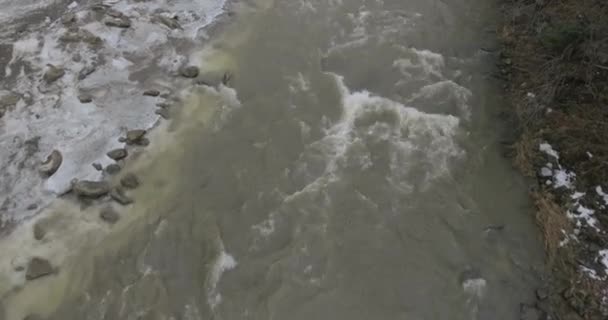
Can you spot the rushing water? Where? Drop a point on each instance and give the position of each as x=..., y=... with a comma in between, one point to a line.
x=357, y=176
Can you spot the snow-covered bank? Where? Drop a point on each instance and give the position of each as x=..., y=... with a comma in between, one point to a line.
x=76, y=85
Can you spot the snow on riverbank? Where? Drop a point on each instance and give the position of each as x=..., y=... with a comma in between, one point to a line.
x=585, y=206
x=104, y=57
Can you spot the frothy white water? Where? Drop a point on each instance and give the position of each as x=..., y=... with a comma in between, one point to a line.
x=223, y=263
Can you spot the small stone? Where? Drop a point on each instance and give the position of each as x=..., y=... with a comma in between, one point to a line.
x=109, y=215
x=163, y=105
x=90, y=189
x=152, y=93
x=113, y=169
x=38, y=268
x=53, y=74
x=164, y=113
x=123, y=22
x=144, y=142
x=118, y=194
x=130, y=181
x=52, y=163
x=135, y=136
x=542, y=293
x=118, y=154
x=97, y=166
x=32, y=206
x=85, y=98
x=39, y=232
x=165, y=95
x=169, y=22
x=114, y=13
x=189, y=72
x=529, y=313
x=85, y=72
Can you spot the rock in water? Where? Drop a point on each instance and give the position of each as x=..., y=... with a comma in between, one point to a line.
x=189, y=72
x=169, y=22
x=122, y=22
x=113, y=169
x=90, y=189
x=85, y=72
x=118, y=194
x=118, y=154
x=130, y=181
x=53, y=74
x=38, y=268
x=52, y=163
x=109, y=215
x=152, y=93
x=97, y=166
x=529, y=313
x=135, y=136
x=85, y=98
x=164, y=113
x=33, y=317
x=39, y=232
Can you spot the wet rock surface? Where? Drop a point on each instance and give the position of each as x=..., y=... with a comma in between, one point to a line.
x=85, y=98
x=39, y=231
x=113, y=169
x=90, y=189
x=164, y=113
x=151, y=93
x=135, y=137
x=38, y=268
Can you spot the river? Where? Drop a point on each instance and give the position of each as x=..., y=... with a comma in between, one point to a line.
x=351, y=169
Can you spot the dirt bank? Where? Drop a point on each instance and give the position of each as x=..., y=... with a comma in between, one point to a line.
x=554, y=59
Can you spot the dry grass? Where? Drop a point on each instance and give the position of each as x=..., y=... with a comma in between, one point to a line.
x=553, y=223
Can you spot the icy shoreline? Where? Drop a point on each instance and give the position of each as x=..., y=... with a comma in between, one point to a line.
x=98, y=95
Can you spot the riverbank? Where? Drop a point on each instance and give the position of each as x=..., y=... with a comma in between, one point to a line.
x=554, y=59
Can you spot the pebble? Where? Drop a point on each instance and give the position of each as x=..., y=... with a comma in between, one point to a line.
x=38, y=268
x=152, y=93
x=97, y=166
x=169, y=22
x=52, y=163
x=85, y=72
x=130, y=181
x=32, y=206
x=117, y=154
x=109, y=215
x=118, y=194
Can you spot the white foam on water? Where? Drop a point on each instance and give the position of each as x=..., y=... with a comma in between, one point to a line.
x=223, y=263
x=475, y=287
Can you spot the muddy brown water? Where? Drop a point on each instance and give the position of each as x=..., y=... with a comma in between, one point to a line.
x=358, y=176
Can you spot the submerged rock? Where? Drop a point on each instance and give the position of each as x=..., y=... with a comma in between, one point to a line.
x=85, y=72
x=52, y=163
x=97, y=166
x=152, y=93
x=119, y=195
x=529, y=313
x=38, y=268
x=130, y=181
x=109, y=215
x=189, y=72
x=113, y=169
x=68, y=18
x=39, y=232
x=164, y=113
x=53, y=74
x=117, y=154
x=91, y=189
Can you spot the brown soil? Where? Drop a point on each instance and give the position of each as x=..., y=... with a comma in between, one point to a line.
x=555, y=62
